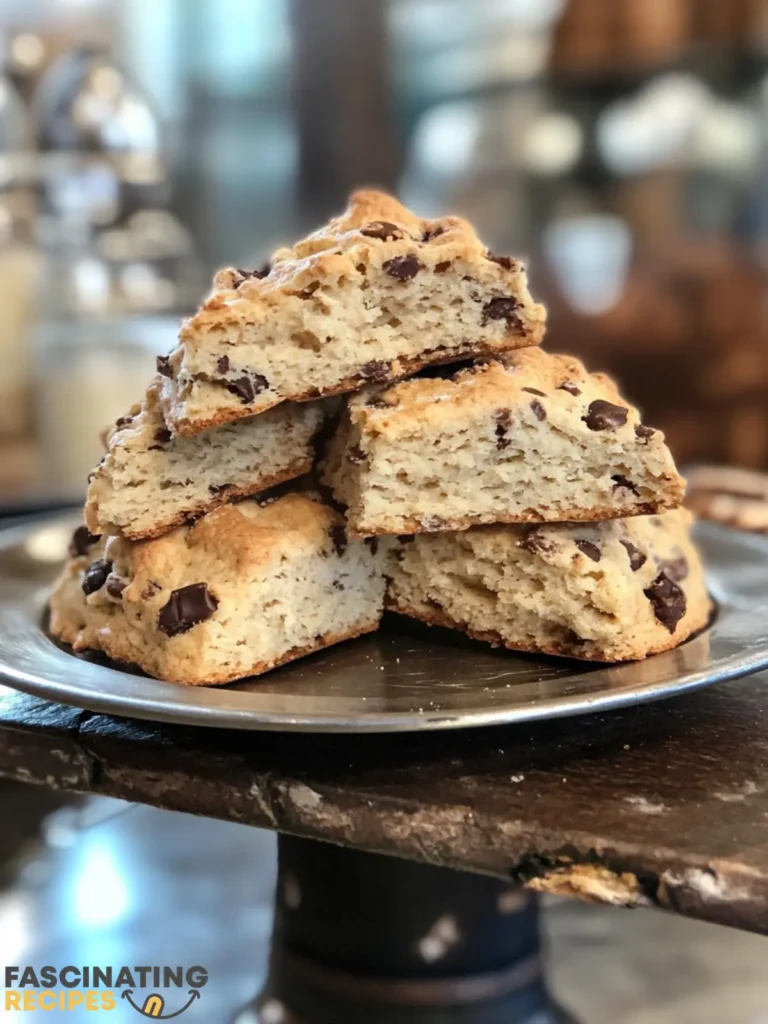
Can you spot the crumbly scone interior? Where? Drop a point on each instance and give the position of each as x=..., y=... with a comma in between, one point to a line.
x=553, y=596
x=542, y=474
x=350, y=308
x=140, y=484
x=426, y=454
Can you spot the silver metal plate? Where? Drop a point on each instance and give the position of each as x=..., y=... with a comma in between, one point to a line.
x=395, y=681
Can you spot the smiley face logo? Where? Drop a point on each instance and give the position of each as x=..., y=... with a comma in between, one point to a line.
x=154, y=1005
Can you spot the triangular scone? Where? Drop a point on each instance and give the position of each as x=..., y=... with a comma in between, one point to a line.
x=370, y=297
x=245, y=588
x=530, y=437
x=149, y=481
x=612, y=591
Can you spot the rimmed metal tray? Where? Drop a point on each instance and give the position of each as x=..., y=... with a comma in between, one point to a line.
x=394, y=681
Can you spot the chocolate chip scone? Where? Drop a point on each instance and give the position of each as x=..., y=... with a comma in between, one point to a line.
x=730, y=495
x=150, y=481
x=246, y=588
x=370, y=297
x=528, y=437
x=613, y=591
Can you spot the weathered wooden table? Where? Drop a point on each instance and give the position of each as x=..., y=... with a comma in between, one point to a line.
x=663, y=805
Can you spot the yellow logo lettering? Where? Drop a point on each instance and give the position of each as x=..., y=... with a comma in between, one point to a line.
x=153, y=1007
x=75, y=999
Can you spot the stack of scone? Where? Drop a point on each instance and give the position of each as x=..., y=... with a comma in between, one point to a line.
x=518, y=499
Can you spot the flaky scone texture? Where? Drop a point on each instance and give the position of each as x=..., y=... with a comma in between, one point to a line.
x=370, y=297
x=150, y=481
x=527, y=437
x=244, y=589
x=612, y=591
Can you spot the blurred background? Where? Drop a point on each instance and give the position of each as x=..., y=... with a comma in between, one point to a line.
x=621, y=145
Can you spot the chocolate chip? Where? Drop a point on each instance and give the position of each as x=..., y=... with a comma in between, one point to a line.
x=570, y=386
x=440, y=268
x=150, y=590
x=602, y=415
x=376, y=371
x=377, y=402
x=538, y=409
x=339, y=539
x=507, y=262
x=356, y=455
x=535, y=391
x=185, y=608
x=373, y=544
x=405, y=538
x=636, y=557
x=116, y=586
x=247, y=387
x=163, y=435
x=382, y=229
x=572, y=639
x=82, y=539
x=675, y=568
x=337, y=585
x=123, y=421
x=223, y=364
x=433, y=232
x=96, y=575
x=402, y=268
x=503, y=420
x=240, y=275
x=622, y=481
x=163, y=364
x=535, y=542
x=589, y=549
x=668, y=601
x=501, y=309
x=643, y=433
